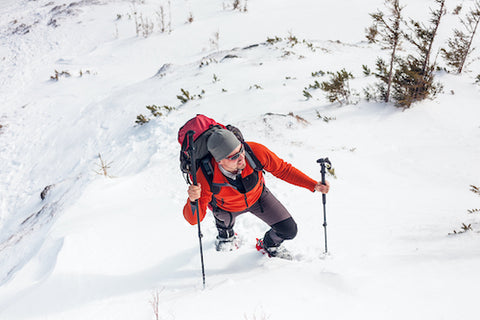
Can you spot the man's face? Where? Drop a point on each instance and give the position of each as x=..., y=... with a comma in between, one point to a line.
x=237, y=163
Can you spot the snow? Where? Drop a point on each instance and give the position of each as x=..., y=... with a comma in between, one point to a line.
x=101, y=247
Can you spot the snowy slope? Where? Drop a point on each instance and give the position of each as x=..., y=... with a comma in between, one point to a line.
x=100, y=247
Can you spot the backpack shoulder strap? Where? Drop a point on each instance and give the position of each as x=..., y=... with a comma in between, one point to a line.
x=207, y=170
x=251, y=158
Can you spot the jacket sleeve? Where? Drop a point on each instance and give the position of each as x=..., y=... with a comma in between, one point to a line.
x=281, y=169
x=205, y=197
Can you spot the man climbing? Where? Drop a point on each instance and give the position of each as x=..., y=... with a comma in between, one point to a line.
x=238, y=187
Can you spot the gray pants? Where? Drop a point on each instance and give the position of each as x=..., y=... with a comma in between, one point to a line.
x=269, y=210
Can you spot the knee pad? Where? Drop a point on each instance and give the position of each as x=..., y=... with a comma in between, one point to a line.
x=286, y=229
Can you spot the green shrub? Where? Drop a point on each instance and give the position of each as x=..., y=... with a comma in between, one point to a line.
x=155, y=111
x=338, y=88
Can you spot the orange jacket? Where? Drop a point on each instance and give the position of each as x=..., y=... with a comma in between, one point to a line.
x=229, y=199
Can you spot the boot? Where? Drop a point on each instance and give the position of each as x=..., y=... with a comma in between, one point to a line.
x=274, y=251
x=227, y=244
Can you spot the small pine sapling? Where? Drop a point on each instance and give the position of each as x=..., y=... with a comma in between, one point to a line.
x=338, y=88
x=324, y=118
x=185, y=96
x=464, y=228
x=475, y=190
x=156, y=111
x=460, y=45
x=57, y=75
x=141, y=119
x=386, y=31
x=103, y=166
x=256, y=86
x=413, y=80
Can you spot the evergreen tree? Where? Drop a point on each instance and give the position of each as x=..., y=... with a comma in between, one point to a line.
x=414, y=79
x=460, y=45
x=387, y=28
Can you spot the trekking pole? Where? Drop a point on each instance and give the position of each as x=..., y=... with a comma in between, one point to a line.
x=324, y=162
x=195, y=209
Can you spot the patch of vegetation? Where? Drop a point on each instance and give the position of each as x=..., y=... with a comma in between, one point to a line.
x=256, y=86
x=464, y=228
x=155, y=111
x=240, y=5
x=460, y=45
x=291, y=41
x=405, y=80
x=82, y=73
x=475, y=190
x=67, y=74
x=274, y=40
x=325, y=118
x=103, y=167
x=468, y=227
x=144, y=24
x=318, y=73
x=57, y=75
x=337, y=89
x=207, y=61
x=19, y=28
x=386, y=31
x=185, y=96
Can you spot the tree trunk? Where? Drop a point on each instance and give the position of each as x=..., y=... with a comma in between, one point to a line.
x=464, y=58
x=390, y=72
x=434, y=34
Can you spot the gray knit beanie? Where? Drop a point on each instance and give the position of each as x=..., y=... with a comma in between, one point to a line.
x=221, y=143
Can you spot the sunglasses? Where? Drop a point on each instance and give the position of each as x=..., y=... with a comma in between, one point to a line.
x=236, y=155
